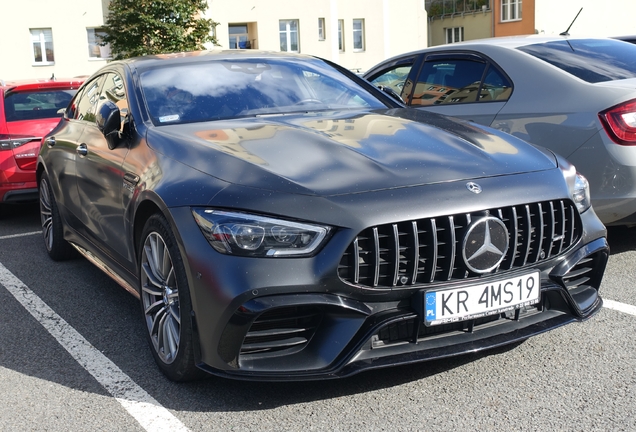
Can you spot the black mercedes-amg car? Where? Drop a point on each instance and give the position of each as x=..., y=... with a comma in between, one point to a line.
x=280, y=218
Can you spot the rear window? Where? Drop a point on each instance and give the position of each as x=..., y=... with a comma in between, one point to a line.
x=592, y=60
x=36, y=105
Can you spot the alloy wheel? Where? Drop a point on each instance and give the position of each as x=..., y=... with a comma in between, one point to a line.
x=160, y=297
x=46, y=214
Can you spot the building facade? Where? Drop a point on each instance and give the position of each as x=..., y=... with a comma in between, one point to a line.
x=45, y=38
x=455, y=21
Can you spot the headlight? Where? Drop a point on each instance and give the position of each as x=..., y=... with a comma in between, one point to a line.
x=581, y=193
x=257, y=236
x=577, y=185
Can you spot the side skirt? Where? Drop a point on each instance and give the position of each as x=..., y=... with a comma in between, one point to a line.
x=103, y=267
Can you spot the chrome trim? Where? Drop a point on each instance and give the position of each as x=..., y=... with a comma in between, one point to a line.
x=376, y=250
x=416, y=252
x=540, y=247
x=435, y=246
x=451, y=224
x=356, y=261
x=396, y=261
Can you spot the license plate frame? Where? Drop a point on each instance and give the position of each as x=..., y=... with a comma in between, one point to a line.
x=481, y=299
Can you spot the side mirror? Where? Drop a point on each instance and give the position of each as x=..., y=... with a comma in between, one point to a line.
x=108, y=121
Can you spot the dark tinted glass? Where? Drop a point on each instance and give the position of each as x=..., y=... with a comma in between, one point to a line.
x=592, y=60
x=448, y=81
x=85, y=107
x=37, y=104
x=236, y=88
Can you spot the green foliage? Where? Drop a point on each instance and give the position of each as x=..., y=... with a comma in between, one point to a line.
x=142, y=27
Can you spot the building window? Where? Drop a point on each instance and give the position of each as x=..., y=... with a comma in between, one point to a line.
x=289, y=35
x=42, y=41
x=454, y=34
x=321, y=29
x=341, y=35
x=510, y=10
x=358, y=35
x=239, y=38
x=95, y=48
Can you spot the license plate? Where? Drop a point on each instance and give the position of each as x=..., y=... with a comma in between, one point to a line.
x=481, y=299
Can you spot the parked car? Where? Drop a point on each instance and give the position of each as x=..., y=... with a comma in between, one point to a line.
x=574, y=96
x=29, y=109
x=629, y=38
x=282, y=219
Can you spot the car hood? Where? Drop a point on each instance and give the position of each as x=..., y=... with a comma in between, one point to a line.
x=334, y=153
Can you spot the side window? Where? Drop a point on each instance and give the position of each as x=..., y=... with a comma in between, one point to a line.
x=446, y=81
x=87, y=103
x=394, y=78
x=114, y=91
x=496, y=86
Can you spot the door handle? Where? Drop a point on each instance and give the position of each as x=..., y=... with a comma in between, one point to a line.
x=82, y=150
x=50, y=142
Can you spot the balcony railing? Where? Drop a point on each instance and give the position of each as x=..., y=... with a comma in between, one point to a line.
x=439, y=8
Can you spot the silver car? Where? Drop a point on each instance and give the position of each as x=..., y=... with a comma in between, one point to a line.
x=575, y=96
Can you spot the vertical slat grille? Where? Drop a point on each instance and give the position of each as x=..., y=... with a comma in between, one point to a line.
x=430, y=250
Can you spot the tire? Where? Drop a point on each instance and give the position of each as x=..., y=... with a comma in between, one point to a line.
x=165, y=301
x=52, y=232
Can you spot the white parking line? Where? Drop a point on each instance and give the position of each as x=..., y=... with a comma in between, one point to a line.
x=20, y=235
x=139, y=404
x=621, y=307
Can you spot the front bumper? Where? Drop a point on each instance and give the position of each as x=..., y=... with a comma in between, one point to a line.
x=331, y=335
x=302, y=319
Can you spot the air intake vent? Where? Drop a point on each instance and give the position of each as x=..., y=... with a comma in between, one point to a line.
x=429, y=250
x=585, y=272
x=281, y=331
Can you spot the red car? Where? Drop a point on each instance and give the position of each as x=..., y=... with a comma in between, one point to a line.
x=29, y=109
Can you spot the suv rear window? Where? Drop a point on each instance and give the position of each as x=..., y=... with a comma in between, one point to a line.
x=592, y=60
x=36, y=105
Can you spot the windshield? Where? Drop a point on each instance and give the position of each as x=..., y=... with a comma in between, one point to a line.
x=592, y=60
x=224, y=89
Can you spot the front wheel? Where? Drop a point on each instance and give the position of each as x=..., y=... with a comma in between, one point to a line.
x=165, y=301
x=57, y=248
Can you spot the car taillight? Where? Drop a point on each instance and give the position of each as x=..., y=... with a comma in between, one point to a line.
x=620, y=122
x=5, y=142
x=25, y=149
x=26, y=155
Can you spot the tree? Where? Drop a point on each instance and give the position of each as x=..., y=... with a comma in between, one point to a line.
x=142, y=27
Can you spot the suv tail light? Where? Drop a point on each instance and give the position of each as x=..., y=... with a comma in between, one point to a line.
x=25, y=149
x=619, y=122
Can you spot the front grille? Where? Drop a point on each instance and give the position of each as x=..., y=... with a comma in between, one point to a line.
x=281, y=330
x=429, y=250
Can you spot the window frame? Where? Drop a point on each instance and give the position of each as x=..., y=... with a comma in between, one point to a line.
x=362, y=46
x=96, y=44
x=510, y=8
x=321, y=29
x=40, y=43
x=341, y=41
x=452, y=32
x=288, y=32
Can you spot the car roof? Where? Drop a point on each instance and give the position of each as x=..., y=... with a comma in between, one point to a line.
x=44, y=83
x=509, y=42
x=152, y=61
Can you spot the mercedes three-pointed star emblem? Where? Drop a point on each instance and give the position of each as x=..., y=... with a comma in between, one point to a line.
x=485, y=244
